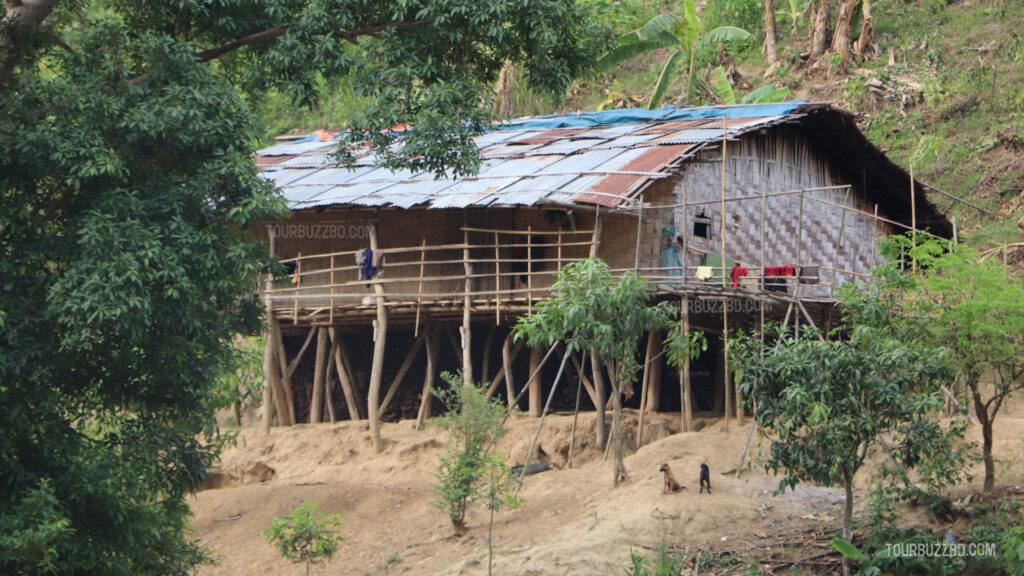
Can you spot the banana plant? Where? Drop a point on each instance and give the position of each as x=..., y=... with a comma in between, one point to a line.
x=794, y=12
x=763, y=95
x=683, y=33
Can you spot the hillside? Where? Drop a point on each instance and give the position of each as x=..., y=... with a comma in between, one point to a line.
x=573, y=521
x=945, y=94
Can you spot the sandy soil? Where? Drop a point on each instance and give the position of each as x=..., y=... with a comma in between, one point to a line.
x=573, y=521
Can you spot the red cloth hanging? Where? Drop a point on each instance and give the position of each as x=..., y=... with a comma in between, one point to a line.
x=780, y=271
x=736, y=273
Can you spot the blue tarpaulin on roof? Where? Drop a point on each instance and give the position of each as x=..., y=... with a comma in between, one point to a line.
x=639, y=115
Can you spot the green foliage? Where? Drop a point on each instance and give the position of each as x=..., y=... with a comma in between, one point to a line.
x=1012, y=548
x=306, y=536
x=591, y=309
x=976, y=309
x=847, y=549
x=242, y=379
x=824, y=403
x=31, y=532
x=763, y=95
x=664, y=563
x=678, y=346
x=467, y=473
x=683, y=33
x=130, y=211
x=793, y=11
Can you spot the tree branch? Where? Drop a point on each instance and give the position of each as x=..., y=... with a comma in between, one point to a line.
x=278, y=31
x=28, y=13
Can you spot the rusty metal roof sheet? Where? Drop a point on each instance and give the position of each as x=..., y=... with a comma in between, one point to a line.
x=601, y=158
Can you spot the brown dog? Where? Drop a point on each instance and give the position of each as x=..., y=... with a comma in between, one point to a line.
x=671, y=485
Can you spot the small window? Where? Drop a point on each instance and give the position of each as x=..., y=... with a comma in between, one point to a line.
x=702, y=226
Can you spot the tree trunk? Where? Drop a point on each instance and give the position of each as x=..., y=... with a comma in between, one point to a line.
x=316, y=404
x=981, y=411
x=620, y=465
x=770, y=51
x=819, y=31
x=865, y=45
x=599, y=389
x=848, y=520
x=536, y=355
x=841, y=38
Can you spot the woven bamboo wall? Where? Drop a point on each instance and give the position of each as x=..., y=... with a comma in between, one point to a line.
x=779, y=161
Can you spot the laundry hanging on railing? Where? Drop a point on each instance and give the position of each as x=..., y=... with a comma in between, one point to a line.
x=736, y=273
x=780, y=270
x=369, y=262
x=809, y=275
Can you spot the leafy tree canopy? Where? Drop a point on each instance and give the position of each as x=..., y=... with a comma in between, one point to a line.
x=127, y=201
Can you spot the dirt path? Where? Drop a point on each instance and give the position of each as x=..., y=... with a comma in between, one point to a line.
x=573, y=521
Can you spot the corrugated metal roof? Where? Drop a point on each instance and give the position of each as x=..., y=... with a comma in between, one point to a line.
x=601, y=158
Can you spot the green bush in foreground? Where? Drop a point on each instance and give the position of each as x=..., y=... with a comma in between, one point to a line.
x=307, y=536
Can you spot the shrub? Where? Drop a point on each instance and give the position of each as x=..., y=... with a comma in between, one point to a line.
x=306, y=536
x=468, y=473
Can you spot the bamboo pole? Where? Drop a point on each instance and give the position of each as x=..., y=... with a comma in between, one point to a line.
x=639, y=228
x=529, y=269
x=467, y=335
x=764, y=207
x=575, y=414
x=377, y=366
x=351, y=373
x=595, y=245
x=543, y=415
x=685, y=393
x=726, y=381
x=685, y=233
x=839, y=242
x=419, y=297
x=343, y=376
x=316, y=404
x=800, y=262
x=333, y=282
x=428, y=377
x=401, y=373
x=497, y=280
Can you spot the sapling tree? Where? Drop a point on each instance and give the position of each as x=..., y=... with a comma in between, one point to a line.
x=825, y=402
x=589, y=309
x=306, y=536
x=468, y=473
x=975, y=307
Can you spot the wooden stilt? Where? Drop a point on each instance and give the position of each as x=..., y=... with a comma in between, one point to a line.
x=419, y=296
x=287, y=371
x=485, y=370
x=281, y=384
x=397, y=381
x=316, y=404
x=467, y=336
x=426, y=397
x=535, y=383
x=685, y=394
x=329, y=387
x=575, y=413
x=644, y=385
x=599, y=389
x=270, y=371
x=497, y=280
x=654, y=382
x=377, y=366
x=343, y=376
x=352, y=377
x=584, y=380
x=506, y=367
x=500, y=376
x=547, y=407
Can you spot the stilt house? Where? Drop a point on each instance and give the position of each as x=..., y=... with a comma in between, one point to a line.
x=740, y=214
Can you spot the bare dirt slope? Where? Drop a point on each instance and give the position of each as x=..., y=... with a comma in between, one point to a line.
x=573, y=521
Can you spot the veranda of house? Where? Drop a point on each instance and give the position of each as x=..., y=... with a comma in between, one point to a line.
x=799, y=211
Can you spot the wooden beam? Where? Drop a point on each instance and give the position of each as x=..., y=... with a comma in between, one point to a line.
x=433, y=340
x=352, y=377
x=316, y=404
x=644, y=384
x=343, y=375
x=401, y=372
x=485, y=370
x=591, y=392
x=599, y=389
x=270, y=372
x=467, y=335
x=506, y=367
x=685, y=393
x=500, y=376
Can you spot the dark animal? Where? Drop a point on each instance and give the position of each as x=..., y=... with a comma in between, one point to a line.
x=671, y=485
x=705, y=478
x=536, y=468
